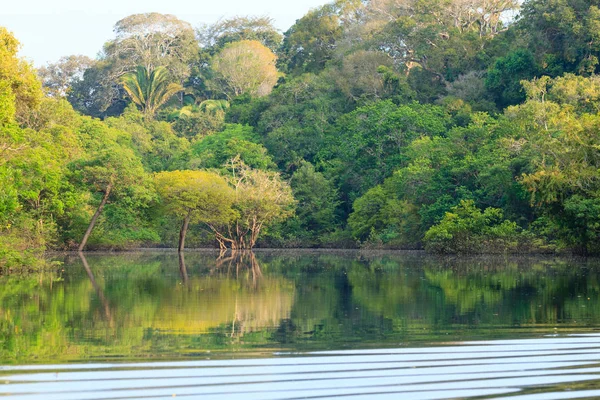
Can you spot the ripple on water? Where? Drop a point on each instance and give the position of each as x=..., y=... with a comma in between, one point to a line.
x=528, y=369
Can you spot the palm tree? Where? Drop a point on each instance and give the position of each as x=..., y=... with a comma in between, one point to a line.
x=149, y=90
x=214, y=107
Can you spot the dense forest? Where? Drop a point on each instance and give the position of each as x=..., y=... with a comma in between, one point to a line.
x=457, y=126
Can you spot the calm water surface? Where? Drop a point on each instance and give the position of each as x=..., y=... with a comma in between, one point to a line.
x=312, y=324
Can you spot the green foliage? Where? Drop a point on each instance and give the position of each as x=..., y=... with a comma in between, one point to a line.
x=505, y=76
x=563, y=34
x=560, y=123
x=316, y=210
x=196, y=121
x=391, y=114
x=196, y=197
x=370, y=141
x=466, y=229
x=310, y=42
x=380, y=219
x=215, y=150
x=155, y=142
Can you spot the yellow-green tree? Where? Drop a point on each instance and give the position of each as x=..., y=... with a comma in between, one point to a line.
x=242, y=67
x=17, y=76
x=195, y=196
x=261, y=198
x=559, y=125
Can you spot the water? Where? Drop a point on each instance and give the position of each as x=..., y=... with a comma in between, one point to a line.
x=312, y=324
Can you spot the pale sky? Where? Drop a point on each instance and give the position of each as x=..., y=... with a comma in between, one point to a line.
x=49, y=29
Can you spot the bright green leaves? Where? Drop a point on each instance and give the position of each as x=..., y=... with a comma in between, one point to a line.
x=560, y=125
x=235, y=140
x=466, y=229
x=203, y=195
x=235, y=207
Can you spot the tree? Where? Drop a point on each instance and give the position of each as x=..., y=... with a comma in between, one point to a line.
x=58, y=78
x=246, y=66
x=309, y=44
x=504, y=77
x=317, y=200
x=563, y=35
x=466, y=229
x=195, y=196
x=197, y=121
x=359, y=76
x=156, y=142
x=152, y=40
x=215, y=36
x=443, y=38
x=370, y=141
x=98, y=93
x=559, y=123
x=110, y=169
x=18, y=76
x=261, y=198
x=149, y=40
x=149, y=89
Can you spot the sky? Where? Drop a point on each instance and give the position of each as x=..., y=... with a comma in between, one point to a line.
x=50, y=29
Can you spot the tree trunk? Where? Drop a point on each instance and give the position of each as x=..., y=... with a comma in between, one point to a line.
x=183, y=232
x=95, y=217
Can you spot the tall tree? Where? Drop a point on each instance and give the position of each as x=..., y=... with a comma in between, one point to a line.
x=149, y=40
x=560, y=124
x=309, y=44
x=152, y=40
x=564, y=35
x=215, y=36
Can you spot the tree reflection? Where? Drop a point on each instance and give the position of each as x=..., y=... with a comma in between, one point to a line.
x=156, y=304
x=183, y=269
x=239, y=260
x=99, y=292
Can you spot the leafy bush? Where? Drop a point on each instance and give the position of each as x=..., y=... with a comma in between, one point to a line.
x=469, y=230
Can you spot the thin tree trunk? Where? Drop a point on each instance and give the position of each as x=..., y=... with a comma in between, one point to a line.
x=183, y=232
x=95, y=217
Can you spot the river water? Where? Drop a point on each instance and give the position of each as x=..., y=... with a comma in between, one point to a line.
x=301, y=324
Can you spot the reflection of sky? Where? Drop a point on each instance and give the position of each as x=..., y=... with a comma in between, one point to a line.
x=48, y=30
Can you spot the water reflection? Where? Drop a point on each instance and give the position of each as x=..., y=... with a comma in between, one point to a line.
x=97, y=288
x=140, y=305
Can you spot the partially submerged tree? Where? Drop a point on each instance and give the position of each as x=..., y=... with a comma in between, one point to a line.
x=149, y=89
x=261, y=198
x=195, y=196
